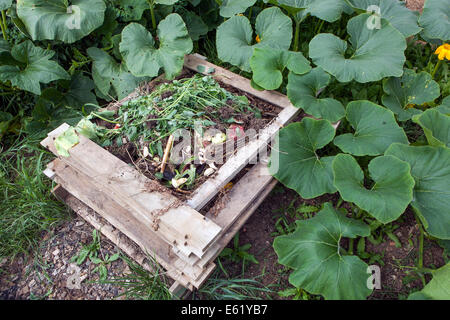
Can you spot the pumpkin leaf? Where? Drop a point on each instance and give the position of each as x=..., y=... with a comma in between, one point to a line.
x=402, y=94
x=444, y=108
x=438, y=288
x=303, y=91
x=230, y=8
x=5, y=4
x=394, y=11
x=132, y=10
x=110, y=77
x=328, y=10
x=57, y=20
x=390, y=195
x=234, y=38
x=375, y=130
x=30, y=66
x=141, y=56
x=377, y=53
x=268, y=65
x=435, y=19
x=314, y=252
x=436, y=127
x=430, y=167
x=295, y=163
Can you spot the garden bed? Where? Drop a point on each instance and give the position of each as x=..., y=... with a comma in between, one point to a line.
x=182, y=240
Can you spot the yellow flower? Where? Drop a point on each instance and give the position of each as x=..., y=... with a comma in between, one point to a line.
x=258, y=39
x=443, y=52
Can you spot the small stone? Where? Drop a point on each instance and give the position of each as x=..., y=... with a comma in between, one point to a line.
x=56, y=252
x=79, y=223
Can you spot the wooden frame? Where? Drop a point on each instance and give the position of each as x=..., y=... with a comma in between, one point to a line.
x=184, y=243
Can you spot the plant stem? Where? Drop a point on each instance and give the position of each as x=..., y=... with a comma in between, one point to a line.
x=436, y=68
x=4, y=26
x=420, y=262
x=297, y=35
x=320, y=27
x=152, y=12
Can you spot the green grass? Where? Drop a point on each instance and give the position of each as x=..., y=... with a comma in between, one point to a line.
x=27, y=207
x=141, y=284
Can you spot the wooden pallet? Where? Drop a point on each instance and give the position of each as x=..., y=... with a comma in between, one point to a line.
x=122, y=203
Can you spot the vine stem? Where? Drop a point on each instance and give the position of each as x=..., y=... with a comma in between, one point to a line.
x=4, y=26
x=152, y=12
x=297, y=34
x=436, y=68
x=420, y=262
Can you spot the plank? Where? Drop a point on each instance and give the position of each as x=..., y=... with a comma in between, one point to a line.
x=79, y=186
x=114, y=235
x=179, y=225
x=178, y=289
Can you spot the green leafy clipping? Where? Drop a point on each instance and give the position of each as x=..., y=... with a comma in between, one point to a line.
x=303, y=91
x=375, y=130
x=430, y=167
x=234, y=38
x=438, y=288
x=5, y=4
x=141, y=56
x=391, y=193
x=295, y=163
x=402, y=94
x=59, y=19
x=394, y=11
x=436, y=127
x=435, y=19
x=268, y=65
x=30, y=66
x=377, y=53
x=65, y=141
x=314, y=252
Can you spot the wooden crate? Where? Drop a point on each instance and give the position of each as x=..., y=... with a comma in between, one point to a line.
x=125, y=206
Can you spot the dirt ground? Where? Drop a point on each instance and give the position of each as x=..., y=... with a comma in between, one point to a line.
x=50, y=274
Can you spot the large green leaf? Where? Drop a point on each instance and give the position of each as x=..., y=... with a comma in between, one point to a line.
x=195, y=25
x=445, y=106
x=268, y=65
x=295, y=163
x=435, y=19
x=430, y=167
x=59, y=19
x=235, y=42
x=438, y=288
x=314, y=252
x=110, y=77
x=5, y=4
x=402, y=94
x=230, y=8
x=132, y=10
x=303, y=91
x=390, y=195
x=141, y=56
x=395, y=11
x=436, y=127
x=375, y=130
x=30, y=66
x=377, y=53
x=328, y=10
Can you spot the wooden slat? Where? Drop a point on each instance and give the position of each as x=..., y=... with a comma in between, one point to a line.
x=180, y=225
x=79, y=186
x=114, y=235
x=178, y=289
